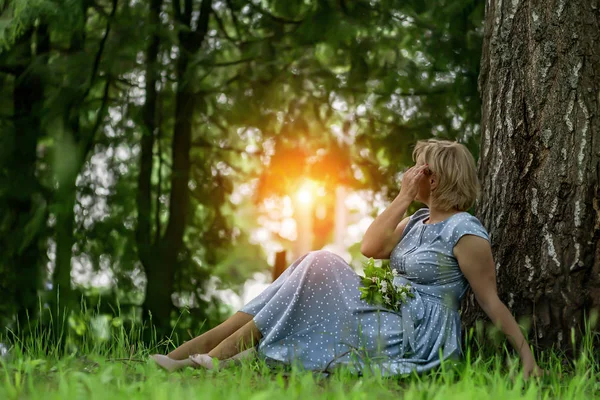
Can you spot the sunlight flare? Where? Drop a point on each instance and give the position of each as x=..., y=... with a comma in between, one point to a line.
x=307, y=192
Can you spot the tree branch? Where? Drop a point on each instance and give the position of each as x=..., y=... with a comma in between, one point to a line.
x=218, y=89
x=99, y=118
x=177, y=9
x=222, y=27
x=143, y=228
x=281, y=20
x=371, y=118
x=415, y=20
x=202, y=29
x=5, y=69
x=102, y=45
x=99, y=9
x=234, y=19
x=203, y=143
x=157, y=230
x=164, y=162
x=230, y=63
x=414, y=93
x=188, y=8
x=223, y=64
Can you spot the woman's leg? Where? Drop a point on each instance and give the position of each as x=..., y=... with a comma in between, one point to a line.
x=209, y=340
x=179, y=358
x=227, y=331
x=204, y=344
x=243, y=339
x=239, y=345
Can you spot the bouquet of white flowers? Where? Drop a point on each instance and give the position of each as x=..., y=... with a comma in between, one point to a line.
x=378, y=287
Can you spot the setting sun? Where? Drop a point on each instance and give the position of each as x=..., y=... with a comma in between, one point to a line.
x=307, y=192
x=304, y=196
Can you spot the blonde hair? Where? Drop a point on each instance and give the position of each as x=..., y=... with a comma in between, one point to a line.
x=454, y=165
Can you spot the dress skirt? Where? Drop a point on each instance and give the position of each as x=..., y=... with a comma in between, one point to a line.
x=312, y=316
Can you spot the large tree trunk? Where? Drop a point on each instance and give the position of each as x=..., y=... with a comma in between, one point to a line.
x=540, y=161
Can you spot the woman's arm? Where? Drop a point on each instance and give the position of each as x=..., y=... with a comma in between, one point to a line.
x=475, y=259
x=386, y=230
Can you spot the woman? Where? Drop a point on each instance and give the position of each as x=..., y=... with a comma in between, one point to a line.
x=312, y=314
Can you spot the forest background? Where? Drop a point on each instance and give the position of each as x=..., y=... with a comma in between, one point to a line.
x=149, y=150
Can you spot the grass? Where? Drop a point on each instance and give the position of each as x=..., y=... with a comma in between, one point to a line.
x=117, y=368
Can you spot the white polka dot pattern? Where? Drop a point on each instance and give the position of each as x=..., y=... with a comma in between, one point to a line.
x=312, y=314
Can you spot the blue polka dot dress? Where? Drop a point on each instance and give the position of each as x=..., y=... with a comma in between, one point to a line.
x=312, y=315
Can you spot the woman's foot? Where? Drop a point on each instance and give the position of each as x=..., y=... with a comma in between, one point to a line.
x=169, y=364
x=204, y=361
x=207, y=362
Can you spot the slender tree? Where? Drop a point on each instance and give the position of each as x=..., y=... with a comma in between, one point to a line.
x=160, y=269
x=76, y=139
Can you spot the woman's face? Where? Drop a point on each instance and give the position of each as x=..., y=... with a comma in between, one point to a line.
x=424, y=191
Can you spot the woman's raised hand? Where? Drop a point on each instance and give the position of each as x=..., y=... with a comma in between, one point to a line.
x=410, y=181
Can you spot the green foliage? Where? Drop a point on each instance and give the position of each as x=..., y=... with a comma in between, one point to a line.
x=18, y=16
x=337, y=91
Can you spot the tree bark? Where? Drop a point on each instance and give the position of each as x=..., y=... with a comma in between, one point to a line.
x=65, y=196
x=147, y=250
x=144, y=194
x=25, y=213
x=160, y=271
x=540, y=161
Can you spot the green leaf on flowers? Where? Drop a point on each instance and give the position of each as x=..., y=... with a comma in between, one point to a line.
x=378, y=298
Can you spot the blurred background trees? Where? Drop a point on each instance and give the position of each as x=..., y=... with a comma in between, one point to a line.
x=143, y=141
